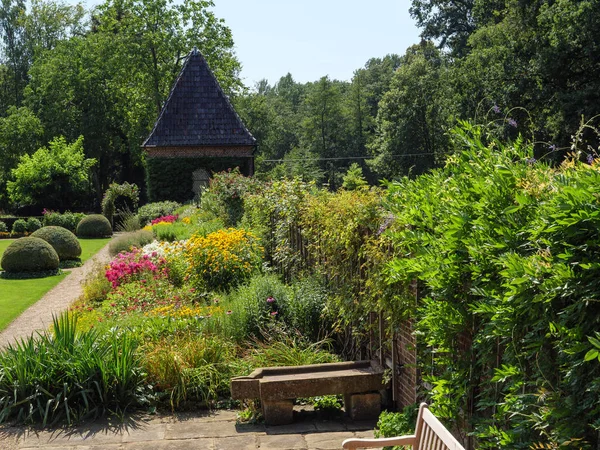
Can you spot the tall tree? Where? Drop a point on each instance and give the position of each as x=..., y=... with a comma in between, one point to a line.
x=414, y=115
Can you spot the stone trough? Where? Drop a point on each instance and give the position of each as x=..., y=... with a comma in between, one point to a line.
x=277, y=387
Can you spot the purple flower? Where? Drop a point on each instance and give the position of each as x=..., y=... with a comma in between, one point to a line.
x=270, y=300
x=496, y=109
x=531, y=161
x=552, y=148
x=590, y=159
x=512, y=122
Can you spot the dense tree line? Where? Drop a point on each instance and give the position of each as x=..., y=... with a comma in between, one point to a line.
x=524, y=66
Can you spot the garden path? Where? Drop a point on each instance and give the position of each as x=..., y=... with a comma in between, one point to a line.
x=39, y=315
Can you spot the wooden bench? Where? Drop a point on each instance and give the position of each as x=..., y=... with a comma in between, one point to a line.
x=277, y=387
x=430, y=433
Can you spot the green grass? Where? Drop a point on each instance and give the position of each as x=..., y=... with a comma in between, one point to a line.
x=18, y=295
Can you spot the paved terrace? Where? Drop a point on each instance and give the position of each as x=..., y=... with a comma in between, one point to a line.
x=198, y=431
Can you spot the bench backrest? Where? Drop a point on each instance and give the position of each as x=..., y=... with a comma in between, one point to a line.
x=431, y=434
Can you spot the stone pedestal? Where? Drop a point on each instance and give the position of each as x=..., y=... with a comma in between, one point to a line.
x=278, y=412
x=363, y=406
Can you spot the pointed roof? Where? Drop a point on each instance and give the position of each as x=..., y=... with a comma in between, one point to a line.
x=197, y=112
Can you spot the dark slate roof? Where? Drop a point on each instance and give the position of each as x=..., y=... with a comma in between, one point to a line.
x=197, y=112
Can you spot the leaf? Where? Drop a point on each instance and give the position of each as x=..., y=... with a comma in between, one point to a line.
x=592, y=354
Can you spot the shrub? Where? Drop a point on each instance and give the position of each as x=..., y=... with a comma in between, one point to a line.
x=33, y=224
x=222, y=259
x=3, y=227
x=66, y=220
x=19, y=226
x=29, y=254
x=62, y=240
x=152, y=211
x=126, y=242
x=94, y=226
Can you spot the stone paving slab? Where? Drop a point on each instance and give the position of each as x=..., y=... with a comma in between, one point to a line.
x=198, y=431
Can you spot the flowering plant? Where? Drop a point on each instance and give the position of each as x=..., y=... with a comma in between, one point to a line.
x=166, y=219
x=222, y=259
x=134, y=265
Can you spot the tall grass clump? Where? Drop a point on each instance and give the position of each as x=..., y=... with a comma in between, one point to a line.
x=68, y=376
x=190, y=367
x=126, y=242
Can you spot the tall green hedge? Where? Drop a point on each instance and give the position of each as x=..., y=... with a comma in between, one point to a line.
x=171, y=178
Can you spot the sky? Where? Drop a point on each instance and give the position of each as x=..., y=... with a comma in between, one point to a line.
x=314, y=38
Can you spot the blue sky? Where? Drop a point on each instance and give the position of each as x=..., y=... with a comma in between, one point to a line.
x=313, y=38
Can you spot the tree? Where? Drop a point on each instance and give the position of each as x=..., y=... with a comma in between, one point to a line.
x=57, y=176
x=413, y=116
x=20, y=134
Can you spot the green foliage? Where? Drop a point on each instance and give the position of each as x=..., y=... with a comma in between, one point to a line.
x=29, y=254
x=3, y=227
x=354, y=178
x=119, y=192
x=94, y=226
x=66, y=220
x=190, y=368
x=55, y=176
x=225, y=198
x=33, y=224
x=171, y=232
x=502, y=246
x=127, y=241
x=69, y=376
x=20, y=134
x=327, y=403
x=62, y=240
x=128, y=221
x=152, y=211
x=393, y=424
x=19, y=226
x=414, y=115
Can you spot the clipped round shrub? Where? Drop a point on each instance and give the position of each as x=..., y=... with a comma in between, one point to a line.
x=33, y=224
x=94, y=226
x=20, y=226
x=3, y=227
x=62, y=240
x=29, y=254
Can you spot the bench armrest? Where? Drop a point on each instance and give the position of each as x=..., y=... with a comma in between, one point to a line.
x=381, y=442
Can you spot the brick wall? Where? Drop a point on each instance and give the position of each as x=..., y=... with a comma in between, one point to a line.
x=407, y=377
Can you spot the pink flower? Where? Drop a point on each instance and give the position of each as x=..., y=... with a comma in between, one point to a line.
x=274, y=313
x=229, y=312
x=270, y=299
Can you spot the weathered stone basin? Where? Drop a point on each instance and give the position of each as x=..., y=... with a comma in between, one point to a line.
x=277, y=387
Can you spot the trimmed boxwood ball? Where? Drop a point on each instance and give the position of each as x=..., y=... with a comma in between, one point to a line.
x=29, y=254
x=62, y=240
x=94, y=226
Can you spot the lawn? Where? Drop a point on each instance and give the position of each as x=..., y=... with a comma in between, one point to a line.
x=17, y=295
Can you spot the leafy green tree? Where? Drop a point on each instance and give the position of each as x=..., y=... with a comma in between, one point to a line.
x=13, y=53
x=20, y=134
x=354, y=178
x=57, y=176
x=413, y=116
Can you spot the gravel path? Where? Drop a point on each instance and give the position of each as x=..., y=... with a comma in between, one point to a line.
x=39, y=315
